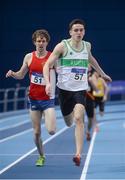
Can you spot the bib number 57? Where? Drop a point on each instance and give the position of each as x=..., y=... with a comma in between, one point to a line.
x=78, y=76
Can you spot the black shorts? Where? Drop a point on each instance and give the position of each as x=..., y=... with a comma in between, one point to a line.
x=100, y=103
x=68, y=99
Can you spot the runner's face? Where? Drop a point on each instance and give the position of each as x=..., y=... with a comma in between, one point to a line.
x=77, y=32
x=41, y=44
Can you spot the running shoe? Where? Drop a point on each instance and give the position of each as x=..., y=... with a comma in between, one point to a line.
x=40, y=161
x=77, y=160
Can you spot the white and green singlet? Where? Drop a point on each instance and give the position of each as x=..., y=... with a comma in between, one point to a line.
x=72, y=69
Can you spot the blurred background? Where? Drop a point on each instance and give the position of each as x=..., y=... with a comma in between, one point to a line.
x=105, y=30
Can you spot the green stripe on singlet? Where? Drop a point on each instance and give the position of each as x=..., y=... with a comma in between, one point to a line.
x=74, y=62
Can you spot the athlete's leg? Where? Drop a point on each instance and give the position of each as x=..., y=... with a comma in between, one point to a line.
x=79, y=129
x=89, y=107
x=66, y=106
x=36, y=123
x=95, y=122
x=50, y=120
x=90, y=122
x=101, y=108
x=69, y=119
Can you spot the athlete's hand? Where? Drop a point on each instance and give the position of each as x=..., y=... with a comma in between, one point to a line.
x=104, y=98
x=48, y=89
x=107, y=78
x=10, y=73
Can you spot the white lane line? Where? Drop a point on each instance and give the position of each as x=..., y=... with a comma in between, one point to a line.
x=66, y=154
x=21, y=133
x=31, y=151
x=14, y=125
x=15, y=135
x=13, y=117
x=85, y=169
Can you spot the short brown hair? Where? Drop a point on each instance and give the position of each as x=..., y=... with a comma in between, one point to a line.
x=76, y=21
x=42, y=33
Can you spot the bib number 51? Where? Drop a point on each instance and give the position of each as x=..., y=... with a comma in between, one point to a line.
x=38, y=80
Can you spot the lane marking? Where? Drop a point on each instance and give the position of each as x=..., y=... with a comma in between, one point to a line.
x=86, y=165
x=31, y=151
x=15, y=125
x=13, y=117
x=66, y=154
x=85, y=169
x=15, y=135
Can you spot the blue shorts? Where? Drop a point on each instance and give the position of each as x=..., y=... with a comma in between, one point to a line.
x=40, y=105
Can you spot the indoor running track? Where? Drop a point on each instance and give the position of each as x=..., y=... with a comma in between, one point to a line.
x=102, y=158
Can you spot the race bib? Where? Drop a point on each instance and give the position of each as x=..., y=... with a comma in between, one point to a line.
x=38, y=79
x=78, y=74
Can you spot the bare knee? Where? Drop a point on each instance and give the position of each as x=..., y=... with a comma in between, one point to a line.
x=69, y=123
x=51, y=130
x=79, y=120
x=69, y=119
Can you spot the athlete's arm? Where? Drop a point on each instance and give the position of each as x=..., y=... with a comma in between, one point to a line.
x=106, y=90
x=23, y=70
x=95, y=64
x=57, y=52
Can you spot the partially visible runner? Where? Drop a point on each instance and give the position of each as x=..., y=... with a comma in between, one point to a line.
x=90, y=104
x=102, y=93
x=39, y=102
x=72, y=57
